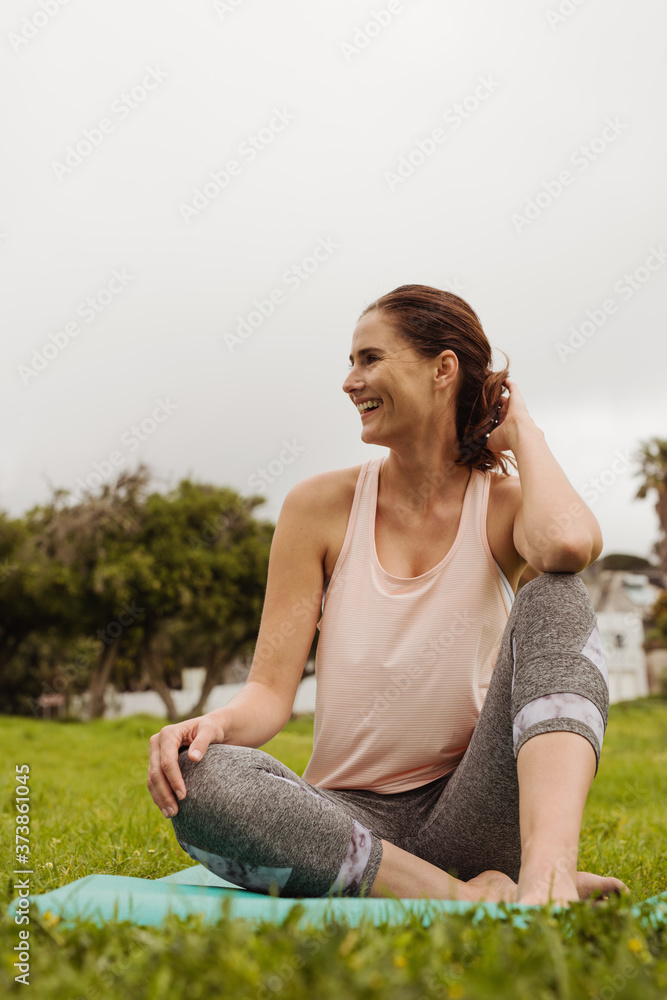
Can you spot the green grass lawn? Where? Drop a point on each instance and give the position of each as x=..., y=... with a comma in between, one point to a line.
x=91, y=813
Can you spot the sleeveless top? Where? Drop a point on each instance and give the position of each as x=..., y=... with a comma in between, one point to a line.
x=403, y=663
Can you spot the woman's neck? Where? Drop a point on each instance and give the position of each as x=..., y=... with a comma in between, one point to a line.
x=421, y=485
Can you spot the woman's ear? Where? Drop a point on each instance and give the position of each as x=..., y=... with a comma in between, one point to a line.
x=448, y=369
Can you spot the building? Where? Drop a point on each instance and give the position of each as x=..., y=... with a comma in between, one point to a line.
x=623, y=603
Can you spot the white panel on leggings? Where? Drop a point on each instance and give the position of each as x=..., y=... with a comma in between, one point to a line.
x=256, y=878
x=562, y=705
x=593, y=651
x=355, y=860
x=300, y=787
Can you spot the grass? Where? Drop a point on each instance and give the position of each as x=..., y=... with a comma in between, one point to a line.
x=90, y=813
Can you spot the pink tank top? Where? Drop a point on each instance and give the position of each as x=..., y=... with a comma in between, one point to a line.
x=403, y=664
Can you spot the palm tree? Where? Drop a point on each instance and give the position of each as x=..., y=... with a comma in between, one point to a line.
x=653, y=468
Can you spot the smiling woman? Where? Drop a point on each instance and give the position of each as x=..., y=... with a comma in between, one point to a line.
x=457, y=728
x=414, y=315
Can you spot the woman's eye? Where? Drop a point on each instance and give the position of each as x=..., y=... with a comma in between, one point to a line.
x=368, y=359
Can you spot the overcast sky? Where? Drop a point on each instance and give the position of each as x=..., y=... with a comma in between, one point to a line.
x=201, y=197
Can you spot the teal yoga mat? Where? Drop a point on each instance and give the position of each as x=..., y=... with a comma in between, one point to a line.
x=196, y=891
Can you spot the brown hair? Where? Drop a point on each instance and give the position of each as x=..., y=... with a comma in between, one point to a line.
x=432, y=321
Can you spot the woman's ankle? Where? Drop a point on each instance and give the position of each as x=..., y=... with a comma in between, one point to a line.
x=548, y=872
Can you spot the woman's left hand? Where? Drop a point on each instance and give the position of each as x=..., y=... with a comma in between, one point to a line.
x=513, y=412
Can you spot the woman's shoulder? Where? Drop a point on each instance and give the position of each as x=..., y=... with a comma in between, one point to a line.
x=319, y=508
x=329, y=492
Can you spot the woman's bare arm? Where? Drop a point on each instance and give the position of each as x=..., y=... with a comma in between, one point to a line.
x=290, y=614
x=554, y=530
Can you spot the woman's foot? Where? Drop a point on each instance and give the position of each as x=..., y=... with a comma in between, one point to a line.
x=491, y=887
x=548, y=874
x=558, y=884
x=537, y=890
x=495, y=887
x=602, y=886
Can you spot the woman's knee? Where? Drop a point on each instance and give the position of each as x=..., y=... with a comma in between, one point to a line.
x=204, y=776
x=559, y=587
x=552, y=602
x=217, y=787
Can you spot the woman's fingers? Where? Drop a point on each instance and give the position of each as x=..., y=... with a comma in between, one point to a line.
x=165, y=780
x=207, y=732
x=158, y=786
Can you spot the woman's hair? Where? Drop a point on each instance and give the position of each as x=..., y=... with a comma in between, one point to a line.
x=432, y=321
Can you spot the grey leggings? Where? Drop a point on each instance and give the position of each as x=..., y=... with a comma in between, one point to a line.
x=256, y=823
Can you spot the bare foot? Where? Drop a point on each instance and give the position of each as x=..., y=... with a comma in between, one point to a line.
x=548, y=875
x=491, y=887
x=603, y=886
x=535, y=890
x=564, y=887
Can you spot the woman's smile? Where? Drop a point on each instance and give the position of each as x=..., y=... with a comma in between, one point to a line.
x=368, y=406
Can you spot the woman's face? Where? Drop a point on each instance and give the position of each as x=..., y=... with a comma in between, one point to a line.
x=388, y=374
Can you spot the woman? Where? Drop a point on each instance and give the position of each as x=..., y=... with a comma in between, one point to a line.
x=457, y=730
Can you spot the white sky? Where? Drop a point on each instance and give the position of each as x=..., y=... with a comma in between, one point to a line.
x=219, y=73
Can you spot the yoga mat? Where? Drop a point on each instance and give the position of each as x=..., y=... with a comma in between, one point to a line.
x=197, y=891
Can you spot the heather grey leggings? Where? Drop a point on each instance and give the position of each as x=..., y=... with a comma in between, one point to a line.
x=256, y=823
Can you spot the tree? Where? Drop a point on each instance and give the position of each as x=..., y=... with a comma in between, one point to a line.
x=17, y=617
x=625, y=563
x=92, y=545
x=36, y=621
x=653, y=467
x=209, y=560
x=144, y=575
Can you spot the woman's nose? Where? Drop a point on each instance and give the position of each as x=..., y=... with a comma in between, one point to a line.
x=352, y=382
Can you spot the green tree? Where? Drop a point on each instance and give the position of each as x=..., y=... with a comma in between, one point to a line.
x=652, y=460
x=36, y=623
x=17, y=610
x=625, y=562
x=92, y=544
x=208, y=559
x=158, y=579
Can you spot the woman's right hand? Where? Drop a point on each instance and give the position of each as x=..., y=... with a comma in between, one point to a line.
x=165, y=781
